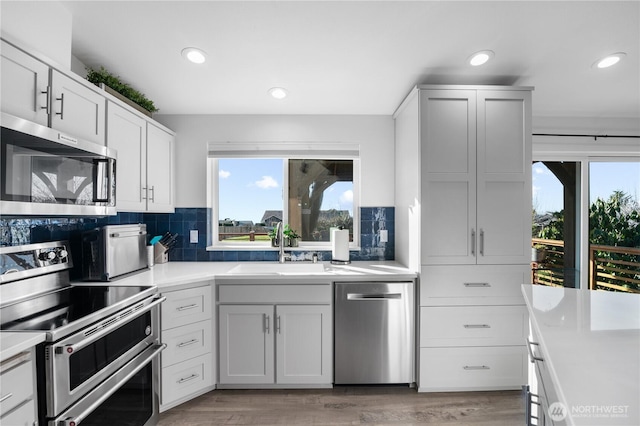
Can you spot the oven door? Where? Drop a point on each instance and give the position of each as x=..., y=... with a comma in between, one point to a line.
x=128, y=398
x=78, y=363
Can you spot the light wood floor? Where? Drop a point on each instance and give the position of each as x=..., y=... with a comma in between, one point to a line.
x=348, y=406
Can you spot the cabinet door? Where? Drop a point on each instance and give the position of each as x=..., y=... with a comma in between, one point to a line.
x=127, y=133
x=24, y=85
x=76, y=109
x=304, y=351
x=246, y=344
x=504, y=177
x=159, y=170
x=448, y=190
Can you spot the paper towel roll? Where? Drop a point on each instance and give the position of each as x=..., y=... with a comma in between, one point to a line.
x=340, y=245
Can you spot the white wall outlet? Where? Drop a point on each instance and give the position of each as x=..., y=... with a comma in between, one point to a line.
x=193, y=236
x=384, y=236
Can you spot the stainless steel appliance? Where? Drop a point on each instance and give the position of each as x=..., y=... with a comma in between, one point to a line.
x=98, y=364
x=374, y=333
x=44, y=172
x=113, y=251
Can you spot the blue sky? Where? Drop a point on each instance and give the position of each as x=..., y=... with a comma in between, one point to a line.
x=605, y=177
x=248, y=187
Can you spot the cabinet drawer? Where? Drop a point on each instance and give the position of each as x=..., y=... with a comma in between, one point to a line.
x=267, y=293
x=473, y=284
x=186, y=342
x=186, y=306
x=185, y=378
x=473, y=325
x=477, y=368
x=24, y=415
x=16, y=386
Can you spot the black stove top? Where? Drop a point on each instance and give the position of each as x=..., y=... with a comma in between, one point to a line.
x=62, y=307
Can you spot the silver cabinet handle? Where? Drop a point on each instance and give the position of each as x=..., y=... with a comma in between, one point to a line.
x=187, y=307
x=481, y=242
x=144, y=192
x=187, y=379
x=278, y=324
x=266, y=323
x=188, y=343
x=7, y=396
x=473, y=242
x=373, y=296
x=476, y=367
x=61, y=113
x=476, y=284
x=477, y=326
x=152, y=197
x=533, y=357
x=47, y=106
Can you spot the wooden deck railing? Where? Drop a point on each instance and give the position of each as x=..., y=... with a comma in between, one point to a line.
x=614, y=268
x=610, y=268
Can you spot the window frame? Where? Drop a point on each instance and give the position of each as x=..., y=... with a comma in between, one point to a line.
x=285, y=152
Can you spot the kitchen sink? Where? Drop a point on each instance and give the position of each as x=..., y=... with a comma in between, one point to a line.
x=278, y=269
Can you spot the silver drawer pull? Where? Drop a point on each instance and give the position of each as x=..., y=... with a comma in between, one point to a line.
x=476, y=367
x=477, y=284
x=186, y=307
x=477, y=326
x=188, y=343
x=7, y=396
x=533, y=357
x=187, y=379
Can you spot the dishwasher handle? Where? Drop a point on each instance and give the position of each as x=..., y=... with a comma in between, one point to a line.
x=373, y=296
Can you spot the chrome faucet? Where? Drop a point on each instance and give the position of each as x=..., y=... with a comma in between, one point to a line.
x=282, y=257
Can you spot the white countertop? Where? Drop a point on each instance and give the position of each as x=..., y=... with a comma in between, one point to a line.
x=177, y=274
x=12, y=343
x=592, y=344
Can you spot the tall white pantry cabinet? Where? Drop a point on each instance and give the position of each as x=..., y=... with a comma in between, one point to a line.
x=463, y=198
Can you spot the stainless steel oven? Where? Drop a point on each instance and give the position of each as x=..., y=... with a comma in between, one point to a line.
x=43, y=171
x=102, y=342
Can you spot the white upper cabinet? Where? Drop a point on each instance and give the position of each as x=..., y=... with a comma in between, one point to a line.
x=160, y=170
x=127, y=133
x=77, y=109
x=476, y=180
x=36, y=92
x=144, y=167
x=24, y=85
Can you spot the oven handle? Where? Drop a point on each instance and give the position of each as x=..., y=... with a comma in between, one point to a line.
x=108, y=325
x=106, y=389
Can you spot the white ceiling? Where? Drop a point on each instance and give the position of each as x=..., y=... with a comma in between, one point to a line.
x=362, y=57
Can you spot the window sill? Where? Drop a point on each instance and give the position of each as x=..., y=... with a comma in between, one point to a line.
x=244, y=247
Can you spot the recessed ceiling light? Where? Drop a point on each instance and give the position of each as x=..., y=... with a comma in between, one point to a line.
x=481, y=57
x=610, y=60
x=194, y=55
x=278, y=93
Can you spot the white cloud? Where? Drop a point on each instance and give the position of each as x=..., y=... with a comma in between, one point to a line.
x=539, y=170
x=267, y=182
x=224, y=174
x=346, y=197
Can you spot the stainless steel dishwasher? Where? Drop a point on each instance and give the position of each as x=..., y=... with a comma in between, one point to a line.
x=374, y=333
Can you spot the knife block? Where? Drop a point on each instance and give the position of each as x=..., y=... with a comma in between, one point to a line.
x=161, y=253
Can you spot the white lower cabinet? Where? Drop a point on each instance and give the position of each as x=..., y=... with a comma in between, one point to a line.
x=18, y=390
x=473, y=326
x=275, y=345
x=187, y=329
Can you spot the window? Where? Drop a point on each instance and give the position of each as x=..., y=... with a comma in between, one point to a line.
x=586, y=218
x=252, y=190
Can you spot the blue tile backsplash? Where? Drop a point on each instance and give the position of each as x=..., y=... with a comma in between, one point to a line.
x=17, y=231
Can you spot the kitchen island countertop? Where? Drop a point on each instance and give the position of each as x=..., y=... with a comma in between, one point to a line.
x=591, y=340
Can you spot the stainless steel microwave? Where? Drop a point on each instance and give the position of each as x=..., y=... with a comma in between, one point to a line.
x=45, y=172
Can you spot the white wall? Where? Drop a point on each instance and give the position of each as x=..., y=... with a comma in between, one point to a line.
x=374, y=134
x=39, y=26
